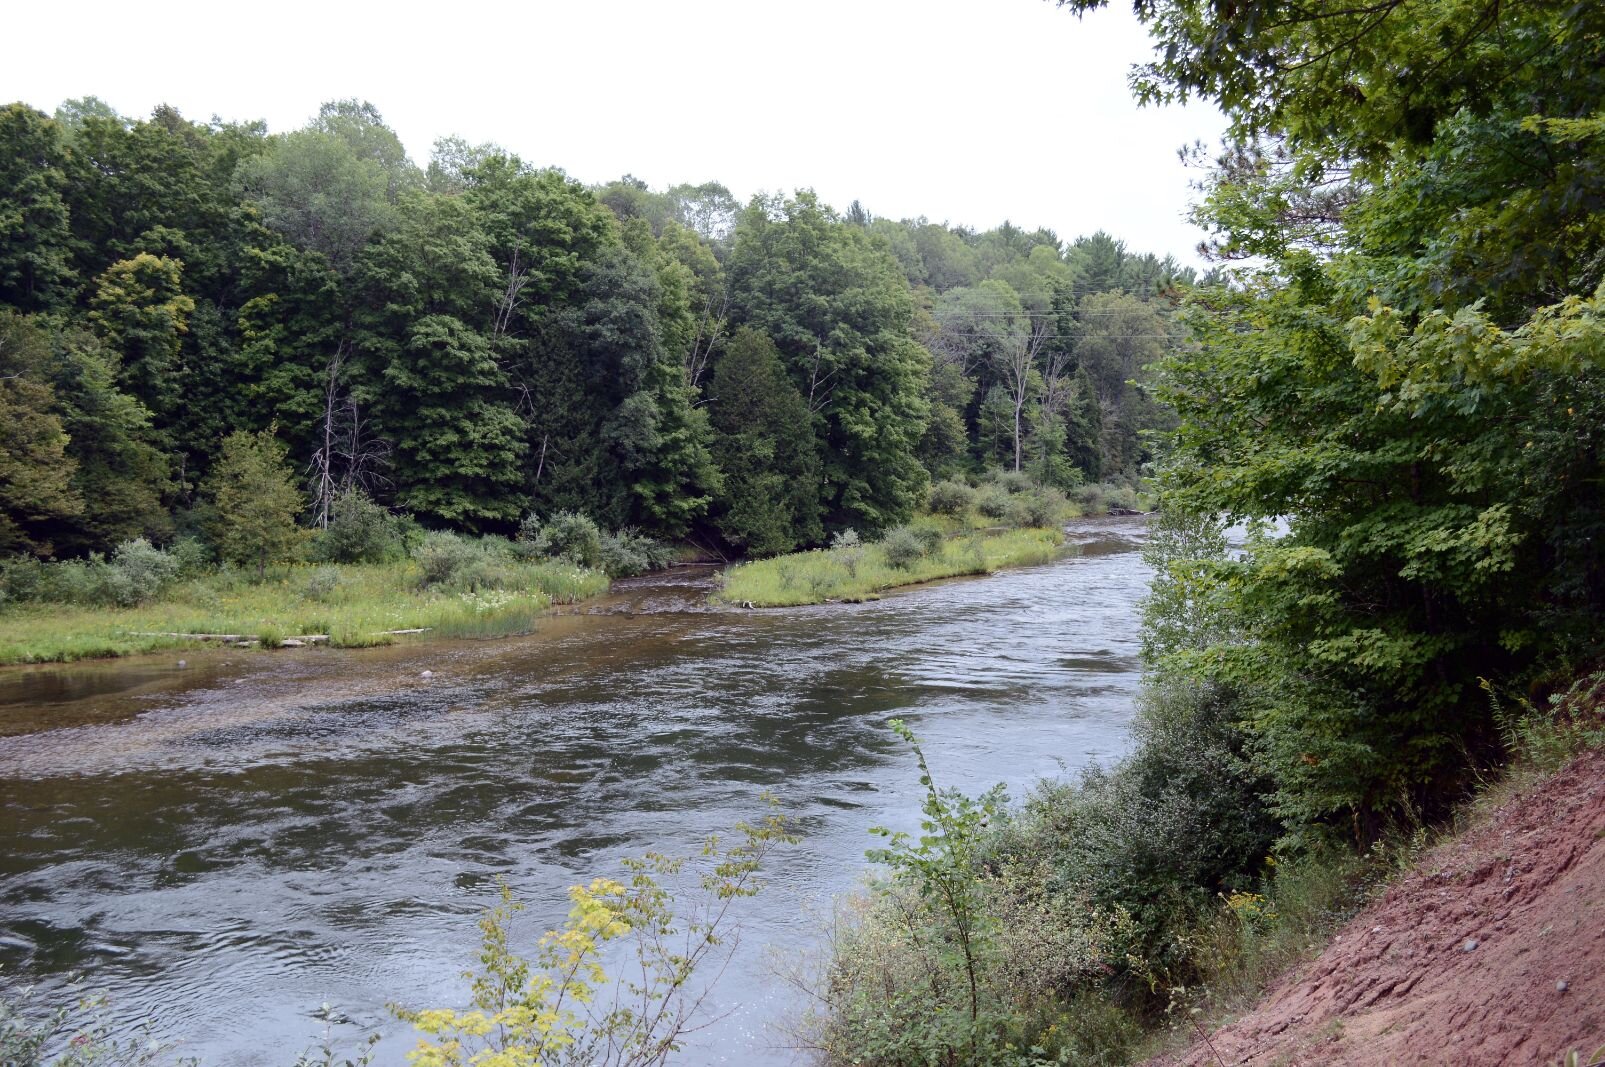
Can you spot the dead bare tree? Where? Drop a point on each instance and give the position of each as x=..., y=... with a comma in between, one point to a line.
x=818, y=393
x=351, y=456
x=710, y=329
x=1016, y=359
x=512, y=294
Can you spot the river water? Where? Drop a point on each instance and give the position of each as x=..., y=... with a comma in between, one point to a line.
x=221, y=847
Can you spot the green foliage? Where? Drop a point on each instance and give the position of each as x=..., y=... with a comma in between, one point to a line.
x=136, y=574
x=848, y=349
x=488, y=338
x=671, y=915
x=36, y=490
x=902, y=547
x=1543, y=740
x=940, y=864
x=626, y=553
x=35, y=264
x=361, y=531
x=1043, y=506
x=321, y=193
x=853, y=571
x=140, y=308
x=951, y=498
x=571, y=536
x=992, y=501
x=764, y=444
x=256, y=501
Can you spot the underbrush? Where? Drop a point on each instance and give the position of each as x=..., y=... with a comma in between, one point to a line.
x=853, y=571
x=1105, y=919
x=1108, y=916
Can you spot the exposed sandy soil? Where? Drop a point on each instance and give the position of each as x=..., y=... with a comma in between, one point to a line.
x=1491, y=951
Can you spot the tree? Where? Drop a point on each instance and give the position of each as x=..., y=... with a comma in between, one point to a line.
x=315, y=189
x=255, y=500
x=35, y=260
x=1118, y=338
x=140, y=308
x=123, y=479
x=429, y=372
x=1410, y=380
x=36, y=473
x=836, y=306
x=770, y=504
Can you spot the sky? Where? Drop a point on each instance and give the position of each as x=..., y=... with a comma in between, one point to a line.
x=966, y=112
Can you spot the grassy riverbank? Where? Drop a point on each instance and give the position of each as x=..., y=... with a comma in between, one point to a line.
x=862, y=572
x=354, y=605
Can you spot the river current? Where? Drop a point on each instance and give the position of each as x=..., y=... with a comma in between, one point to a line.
x=223, y=846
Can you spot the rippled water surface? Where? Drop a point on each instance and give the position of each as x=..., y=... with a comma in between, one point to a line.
x=224, y=846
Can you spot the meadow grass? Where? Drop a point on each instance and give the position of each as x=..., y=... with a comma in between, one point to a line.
x=862, y=573
x=355, y=605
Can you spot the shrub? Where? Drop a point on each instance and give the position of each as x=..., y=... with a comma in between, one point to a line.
x=1090, y=498
x=321, y=584
x=1013, y=481
x=1041, y=507
x=20, y=578
x=193, y=556
x=931, y=539
x=568, y=535
x=139, y=572
x=848, y=550
x=445, y=559
x=361, y=531
x=903, y=548
x=992, y=502
x=1098, y=498
x=951, y=498
x=630, y=552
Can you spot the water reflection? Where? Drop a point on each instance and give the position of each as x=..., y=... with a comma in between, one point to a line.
x=225, y=847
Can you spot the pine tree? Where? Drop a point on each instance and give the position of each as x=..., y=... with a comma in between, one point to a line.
x=253, y=490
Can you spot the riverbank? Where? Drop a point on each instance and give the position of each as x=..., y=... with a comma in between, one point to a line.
x=1490, y=948
x=853, y=572
x=1478, y=940
x=346, y=605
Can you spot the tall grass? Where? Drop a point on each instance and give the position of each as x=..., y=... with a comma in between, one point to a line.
x=857, y=573
x=354, y=604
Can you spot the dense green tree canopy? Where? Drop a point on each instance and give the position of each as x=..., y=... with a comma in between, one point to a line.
x=1410, y=376
x=482, y=339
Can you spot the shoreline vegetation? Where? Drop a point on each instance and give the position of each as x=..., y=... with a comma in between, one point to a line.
x=371, y=579
x=367, y=579
x=346, y=606
x=856, y=572
x=1004, y=520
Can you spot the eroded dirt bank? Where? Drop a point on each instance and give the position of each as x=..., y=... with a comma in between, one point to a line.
x=1491, y=951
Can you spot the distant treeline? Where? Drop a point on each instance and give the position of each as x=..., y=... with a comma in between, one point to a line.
x=480, y=339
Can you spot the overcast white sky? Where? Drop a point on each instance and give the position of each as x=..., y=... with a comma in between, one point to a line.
x=968, y=111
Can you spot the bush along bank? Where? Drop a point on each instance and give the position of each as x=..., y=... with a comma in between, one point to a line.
x=369, y=578
x=1106, y=918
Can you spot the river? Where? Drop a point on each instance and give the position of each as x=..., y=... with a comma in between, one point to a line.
x=220, y=847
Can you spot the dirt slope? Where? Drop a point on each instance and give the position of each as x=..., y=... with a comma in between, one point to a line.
x=1492, y=951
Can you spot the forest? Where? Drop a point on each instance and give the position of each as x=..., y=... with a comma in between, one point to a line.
x=481, y=340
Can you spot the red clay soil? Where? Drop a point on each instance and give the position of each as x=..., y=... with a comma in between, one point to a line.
x=1492, y=951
